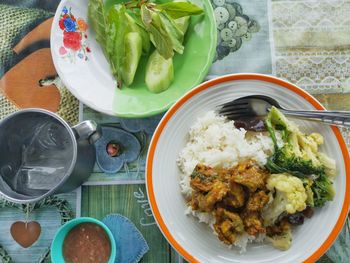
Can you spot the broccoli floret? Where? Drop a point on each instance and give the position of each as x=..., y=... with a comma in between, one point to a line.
x=278, y=120
x=299, y=153
x=285, y=160
x=323, y=190
x=299, y=156
x=307, y=182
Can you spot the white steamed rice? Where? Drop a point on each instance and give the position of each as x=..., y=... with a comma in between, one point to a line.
x=214, y=141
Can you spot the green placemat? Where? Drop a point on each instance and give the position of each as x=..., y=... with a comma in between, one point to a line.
x=131, y=201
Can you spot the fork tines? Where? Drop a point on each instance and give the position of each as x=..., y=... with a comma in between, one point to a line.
x=235, y=109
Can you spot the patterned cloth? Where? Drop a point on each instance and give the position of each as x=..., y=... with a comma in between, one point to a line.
x=306, y=42
x=15, y=23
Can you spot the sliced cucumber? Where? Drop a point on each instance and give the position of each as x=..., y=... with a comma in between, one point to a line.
x=159, y=72
x=134, y=27
x=133, y=50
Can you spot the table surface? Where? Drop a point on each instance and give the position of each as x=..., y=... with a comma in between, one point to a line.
x=306, y=42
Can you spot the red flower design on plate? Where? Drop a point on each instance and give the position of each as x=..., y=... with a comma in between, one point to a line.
x=72, y=40
x=75, y=42
x=61, y=24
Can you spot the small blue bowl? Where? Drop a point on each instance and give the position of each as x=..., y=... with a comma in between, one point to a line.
x=57, y=243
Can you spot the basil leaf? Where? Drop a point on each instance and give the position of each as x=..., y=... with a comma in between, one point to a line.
x=146, y=16
x=174, y=33
x=162, y=42
x=117, y=28
x=180, y=9
x=97, y=16
x=158, y=35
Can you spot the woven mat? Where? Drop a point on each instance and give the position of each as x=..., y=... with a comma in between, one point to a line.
x=15, y=23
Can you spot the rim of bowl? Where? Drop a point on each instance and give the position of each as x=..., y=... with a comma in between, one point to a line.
x=234, y=77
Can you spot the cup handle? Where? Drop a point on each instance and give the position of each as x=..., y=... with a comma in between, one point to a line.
x=87, y=130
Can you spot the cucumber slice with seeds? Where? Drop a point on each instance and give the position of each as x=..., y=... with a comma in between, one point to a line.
x=159, y=72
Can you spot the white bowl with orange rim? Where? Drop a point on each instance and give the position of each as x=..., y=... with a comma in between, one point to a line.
x=195, y=241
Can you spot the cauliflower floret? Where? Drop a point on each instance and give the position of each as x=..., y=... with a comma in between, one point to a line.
x=328, y=163
x=290, y=197
x=318, y=138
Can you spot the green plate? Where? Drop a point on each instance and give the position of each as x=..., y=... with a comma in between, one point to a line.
x=87, y=74
x=190, y=68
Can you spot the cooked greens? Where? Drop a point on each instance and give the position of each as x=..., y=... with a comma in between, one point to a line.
x=126, y=31
x=299, y=156
x=323, y=190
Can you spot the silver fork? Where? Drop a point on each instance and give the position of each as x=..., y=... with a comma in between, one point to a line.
x=259, y=105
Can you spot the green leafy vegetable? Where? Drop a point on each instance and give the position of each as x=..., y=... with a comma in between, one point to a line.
x=299, y=156
x=146, y=16
x=183, y=22
x=174, y=33
x=180, y=9
x=117, y=29
x=98, y=18
x=126, y=27
x=158, y=34
x=323, y=190
x=165, y=34
x=284, y=160
x=136, y=25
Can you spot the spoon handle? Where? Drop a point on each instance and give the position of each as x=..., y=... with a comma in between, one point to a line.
x=338, y=118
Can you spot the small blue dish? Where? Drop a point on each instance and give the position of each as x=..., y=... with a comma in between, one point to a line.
x=57, y=243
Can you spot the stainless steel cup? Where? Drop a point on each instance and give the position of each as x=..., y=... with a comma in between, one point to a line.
x=41, y=155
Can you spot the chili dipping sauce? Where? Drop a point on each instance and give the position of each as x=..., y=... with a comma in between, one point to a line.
x=88, y=243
